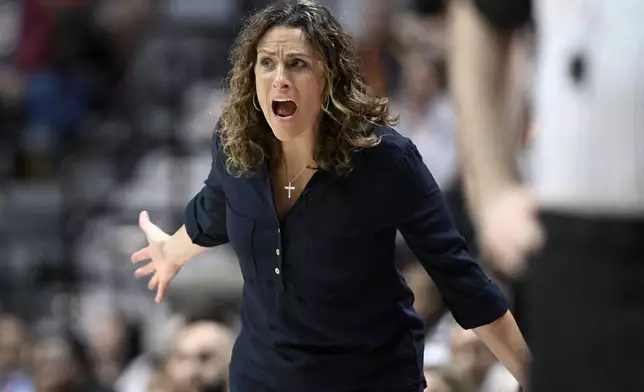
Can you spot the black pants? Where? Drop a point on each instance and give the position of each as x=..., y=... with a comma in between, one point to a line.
x=581, y=306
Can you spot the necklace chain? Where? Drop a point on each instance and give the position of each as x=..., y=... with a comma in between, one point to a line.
x=290, y=186
x=298, y=174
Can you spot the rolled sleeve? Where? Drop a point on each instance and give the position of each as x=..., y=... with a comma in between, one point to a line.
x=427, y=226
x=205, y=215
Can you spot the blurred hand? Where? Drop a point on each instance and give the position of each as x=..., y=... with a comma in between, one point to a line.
x=160, y=266
x=509, y=230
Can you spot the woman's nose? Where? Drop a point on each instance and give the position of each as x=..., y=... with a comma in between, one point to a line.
x=281, y=80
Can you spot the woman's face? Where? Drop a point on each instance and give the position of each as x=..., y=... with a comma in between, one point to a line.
x=420, y=78
x=289, y=80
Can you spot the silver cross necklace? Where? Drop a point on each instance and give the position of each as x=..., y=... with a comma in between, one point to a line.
x=290, y=186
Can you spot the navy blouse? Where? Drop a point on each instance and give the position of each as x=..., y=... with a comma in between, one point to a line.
x=324, y=308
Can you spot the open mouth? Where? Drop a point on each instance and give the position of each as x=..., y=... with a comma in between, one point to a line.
x=284, y=108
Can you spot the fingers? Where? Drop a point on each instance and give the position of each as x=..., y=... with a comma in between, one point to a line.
x=513, y=264
x=509, y=253
x=151, y=231
x=141, y=255
x=506, y=259
x=161, y=292
x=144, y=271
x=154, y=282
x=162, y=286
x=537, y=237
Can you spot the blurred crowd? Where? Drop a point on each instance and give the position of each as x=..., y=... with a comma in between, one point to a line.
x=106, y=108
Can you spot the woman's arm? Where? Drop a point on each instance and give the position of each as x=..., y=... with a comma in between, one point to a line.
x=205, y=215
x=475, y=301
x=180, y=249
x=505, y=341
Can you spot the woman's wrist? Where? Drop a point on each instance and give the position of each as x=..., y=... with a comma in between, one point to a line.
x=179, y=248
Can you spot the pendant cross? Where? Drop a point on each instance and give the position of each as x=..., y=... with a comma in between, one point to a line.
x=289, y=188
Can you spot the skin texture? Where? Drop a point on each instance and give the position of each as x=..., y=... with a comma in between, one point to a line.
x=287, y=67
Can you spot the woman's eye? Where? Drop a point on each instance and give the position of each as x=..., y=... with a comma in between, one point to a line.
x=266, y=62
x=299, y=63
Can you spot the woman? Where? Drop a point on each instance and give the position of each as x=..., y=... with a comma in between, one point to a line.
x=309, y=184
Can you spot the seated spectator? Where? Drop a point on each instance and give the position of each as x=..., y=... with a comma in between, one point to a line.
x=113, y=345
x=199, y=358
x=13, y=350
x=158, y=379
x=61, y=364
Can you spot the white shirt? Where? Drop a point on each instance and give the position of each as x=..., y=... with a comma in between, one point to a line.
x=588, y=154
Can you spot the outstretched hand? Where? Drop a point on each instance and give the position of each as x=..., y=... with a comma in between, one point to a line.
x=160, y=266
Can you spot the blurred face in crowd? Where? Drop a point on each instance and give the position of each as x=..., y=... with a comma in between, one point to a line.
x=158, y=382
x=377, y=19
x=200, y=358
x=12, y=344
x=54, y=367
x=421, y=79
x=470, y=355
x=108, y=337
x=289, y=81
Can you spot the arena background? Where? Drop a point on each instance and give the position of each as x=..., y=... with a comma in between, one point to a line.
x=107, y=108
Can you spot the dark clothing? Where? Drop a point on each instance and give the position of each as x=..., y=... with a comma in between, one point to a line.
x=506, y=14
x=324, y=308
x=592, y=341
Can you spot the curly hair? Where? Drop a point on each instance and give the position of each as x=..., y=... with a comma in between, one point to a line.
x=350, y=113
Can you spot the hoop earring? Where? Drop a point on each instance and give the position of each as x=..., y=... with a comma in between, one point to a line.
x=256, y=104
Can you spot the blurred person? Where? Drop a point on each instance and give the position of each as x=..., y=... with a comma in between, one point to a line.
x=11, y=87
x=476, y=361
x=423, y=23
x=377, y=46
x=62, y=364
x=158, y=380
x=427, y=116
x=309, y=184
x=583, y=292
x=144, y=369
x=13, y=354
x=112, y=348
x=125, y=21
x=70, y=66
x=446, y=379
x=199, y=358
x=428, y=302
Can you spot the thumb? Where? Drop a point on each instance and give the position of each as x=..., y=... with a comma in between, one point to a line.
x=151, y=231
x=144, y=220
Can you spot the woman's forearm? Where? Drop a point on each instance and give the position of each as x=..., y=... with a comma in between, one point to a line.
x=180, y=249
x=506, y=342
